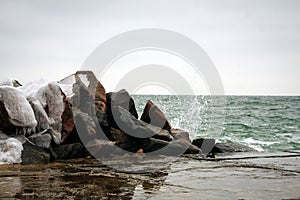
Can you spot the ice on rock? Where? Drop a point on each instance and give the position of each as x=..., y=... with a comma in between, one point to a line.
x=9, y=82
x=66, y=85
x=46, y=99
x=10, y=151
x=84, y=79
x=19, y=111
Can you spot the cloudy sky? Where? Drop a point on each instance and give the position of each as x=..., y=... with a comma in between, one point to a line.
x=255, y=44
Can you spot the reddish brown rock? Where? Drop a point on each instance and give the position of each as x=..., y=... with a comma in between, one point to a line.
x=153, y=115
x=67, y=119
x=82, y=89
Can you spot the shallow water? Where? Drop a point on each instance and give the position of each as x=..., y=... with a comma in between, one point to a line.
x=238, y=176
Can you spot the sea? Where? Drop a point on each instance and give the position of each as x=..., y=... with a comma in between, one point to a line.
x=266, y=123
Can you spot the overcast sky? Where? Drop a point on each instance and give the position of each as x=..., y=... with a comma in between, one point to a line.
x=255, y=45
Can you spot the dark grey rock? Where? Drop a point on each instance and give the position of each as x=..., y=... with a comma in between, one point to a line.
x=230, y=147
x=122, y=99
x=75, y=150
x=41, y=140
x=32, y=154
x=138, y=129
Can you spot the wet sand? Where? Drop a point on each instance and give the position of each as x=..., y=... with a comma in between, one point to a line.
x=237, y=176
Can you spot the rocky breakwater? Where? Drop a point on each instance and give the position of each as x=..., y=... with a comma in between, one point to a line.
x=44, y=120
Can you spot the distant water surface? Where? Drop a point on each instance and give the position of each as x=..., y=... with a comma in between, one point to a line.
x=267, y=123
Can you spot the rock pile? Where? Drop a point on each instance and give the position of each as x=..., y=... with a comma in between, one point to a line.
x=44, y=120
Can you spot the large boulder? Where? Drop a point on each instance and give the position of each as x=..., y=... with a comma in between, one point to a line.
x=15, y=110
x=136, y=129
x=50, y=107
x=84, y=91
x=122, y=99
x=153, y=115
x=33, y=154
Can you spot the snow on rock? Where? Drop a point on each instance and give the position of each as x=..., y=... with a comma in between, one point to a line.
x=47, y=101
x=10, y=151
x=9, y=82
x=15, y=109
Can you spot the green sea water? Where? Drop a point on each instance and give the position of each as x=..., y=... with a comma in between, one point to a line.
x=266, y=123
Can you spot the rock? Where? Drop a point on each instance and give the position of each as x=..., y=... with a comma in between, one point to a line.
x=118, y=136
x=153, y=115
x=158, y=132
x=174, y=148
x=41, y=139
x=85, y=126
x=84, y=91
x=140, y=151
x=122, y=99
x=206, y=145
x=15, y=110
x=103, y=148
x=137, y=129
x=34, y=155
x=47, y=101
x=180, y=134
x=67, y=151
x=68, y=122
x=10, y=151
x=231, y=147
x=10, y=82
x=183, y=137
x=154, y=144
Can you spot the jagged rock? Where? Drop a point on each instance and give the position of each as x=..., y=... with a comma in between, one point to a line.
x=10, y=151
x=15, y=110
x=75, y=150
x=84, y=91
x=122, y=99
x=206, y=145
x=50, y=107
x=183, y=137
x=153, y=115
x=85, y=129
x=136, y=129
x=67, y=117
x=34, y=155
x=10, y=82
x=41, y=139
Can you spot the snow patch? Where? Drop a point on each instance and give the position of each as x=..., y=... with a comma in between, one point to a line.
x=46, y=99
x=7, y=82
x=10, y=151
x=18, y=108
